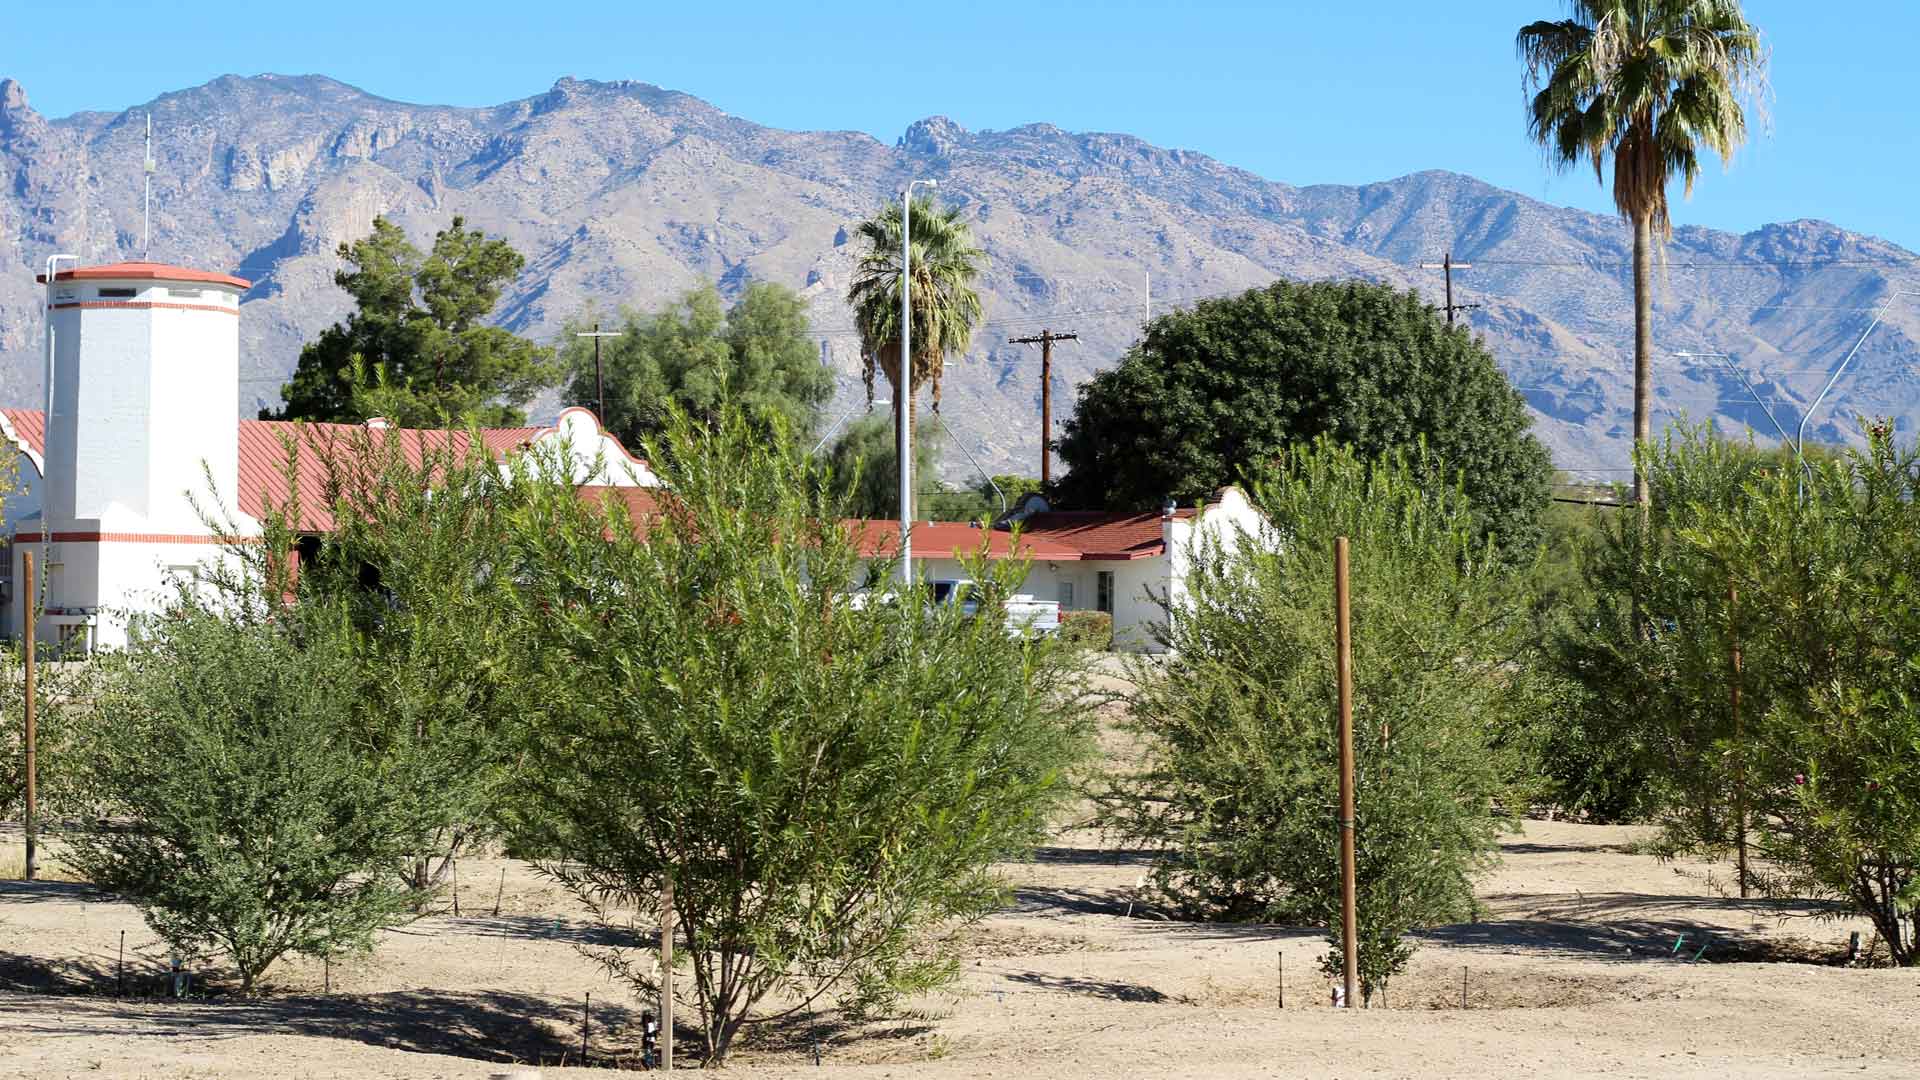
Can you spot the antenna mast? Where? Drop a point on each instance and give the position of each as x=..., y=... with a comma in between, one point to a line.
x=146, y=221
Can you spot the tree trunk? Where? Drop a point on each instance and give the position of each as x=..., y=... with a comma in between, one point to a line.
x=1642, y=353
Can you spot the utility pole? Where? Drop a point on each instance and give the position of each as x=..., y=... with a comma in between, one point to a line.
x=599, y=377
x=26, y=604
x=1447, y=264
x=1343, y=660
x=1045, y=340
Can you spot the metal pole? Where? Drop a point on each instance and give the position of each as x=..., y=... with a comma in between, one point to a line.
x=1739, y=747
x=666, y=977
x=904, y=406
x=32, y=690
x=1343, y=659
x=1447, y=262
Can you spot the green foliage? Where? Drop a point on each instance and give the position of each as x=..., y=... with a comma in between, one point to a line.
x=1216, y=393
x=1647, y=643
x=410, y=566
x=825, y=783
x=414, y=350
x=866, y=457
x=1820, y=767
x=1239, y=793
x=946, y=308
x=69, y=727
x=1086, y=630
x=256, y=822
x=696, y=356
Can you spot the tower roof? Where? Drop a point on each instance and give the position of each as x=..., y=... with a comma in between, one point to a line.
x=144, y=271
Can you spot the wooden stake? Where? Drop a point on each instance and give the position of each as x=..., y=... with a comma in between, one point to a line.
x=586, y=1024
x=666, y=977
x=32, y=691
x=1280, y=984
x=1739, y=749
x=1343, y=661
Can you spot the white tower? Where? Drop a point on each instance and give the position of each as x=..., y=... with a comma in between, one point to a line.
x=146, y=368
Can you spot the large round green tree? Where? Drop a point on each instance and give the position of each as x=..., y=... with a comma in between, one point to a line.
x=1218, y=389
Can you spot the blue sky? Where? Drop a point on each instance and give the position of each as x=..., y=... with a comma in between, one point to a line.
x=1303, y=92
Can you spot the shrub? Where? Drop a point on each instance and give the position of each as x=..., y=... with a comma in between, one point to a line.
x=1086, y=630
x=256, y=826
x=1239, y=791
x=823, y=783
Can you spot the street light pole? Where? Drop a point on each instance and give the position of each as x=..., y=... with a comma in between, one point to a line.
x=905, y=402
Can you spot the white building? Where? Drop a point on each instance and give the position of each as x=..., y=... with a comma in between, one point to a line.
x=115, y=495
x=1128, y=565
x=146, y=382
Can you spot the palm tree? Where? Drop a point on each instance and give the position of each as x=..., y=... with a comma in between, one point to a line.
x=945, y=306
x=1646, y=83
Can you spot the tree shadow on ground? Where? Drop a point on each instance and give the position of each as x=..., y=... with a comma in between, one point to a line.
x=1626, y=940
x=1071, y=856
x=1527, y=847
x=485, y=1025
x=1099, y=988
x=43, y=891
x=545, y=928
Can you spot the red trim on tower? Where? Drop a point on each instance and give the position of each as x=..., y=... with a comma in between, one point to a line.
x=88, y=305
x=144, y=271
x=127, y=538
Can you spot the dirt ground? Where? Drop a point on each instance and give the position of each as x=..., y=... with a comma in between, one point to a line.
x=1572, y=971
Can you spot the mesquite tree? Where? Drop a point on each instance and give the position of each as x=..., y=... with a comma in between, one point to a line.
x=1239, y=791
x=824, y=780
x=255, y=823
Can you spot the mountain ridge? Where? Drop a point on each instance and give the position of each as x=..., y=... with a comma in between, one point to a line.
x=627, y=193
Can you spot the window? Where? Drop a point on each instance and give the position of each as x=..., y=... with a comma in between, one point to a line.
x=184, y=292
x=1066, y=596
x=116, y=294
x=1103, y=591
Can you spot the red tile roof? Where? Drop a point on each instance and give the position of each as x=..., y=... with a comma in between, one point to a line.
x=31, y=426
x=1057, y=536
x=144, y=271
x=263, y=448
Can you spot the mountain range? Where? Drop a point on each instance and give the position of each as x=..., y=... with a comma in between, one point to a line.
x=624, y=193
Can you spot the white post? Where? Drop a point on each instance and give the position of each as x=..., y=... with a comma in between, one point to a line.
x=905, y=404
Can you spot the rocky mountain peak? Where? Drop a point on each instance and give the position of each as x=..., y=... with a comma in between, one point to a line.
x=936, y=136
x=17, y=118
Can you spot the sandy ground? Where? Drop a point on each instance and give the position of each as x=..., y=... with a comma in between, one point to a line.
x=1572, y=972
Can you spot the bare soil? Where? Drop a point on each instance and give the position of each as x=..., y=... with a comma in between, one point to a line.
x=1572, y=971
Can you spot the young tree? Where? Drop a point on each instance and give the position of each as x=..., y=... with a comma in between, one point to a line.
x=1818, y=767
x=699, y=357
x=1212, y=394
x=1650, y=643
x=419, y=534
x=257, y=825
x=415, y=350
x=1238, y=794
x=823, y=782
x=1645, y=83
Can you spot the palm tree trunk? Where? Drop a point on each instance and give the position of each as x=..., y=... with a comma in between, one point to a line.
x=1642, y=353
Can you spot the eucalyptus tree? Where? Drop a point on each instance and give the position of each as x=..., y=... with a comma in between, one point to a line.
x=1643, y=84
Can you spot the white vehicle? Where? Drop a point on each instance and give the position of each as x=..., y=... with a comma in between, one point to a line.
x=1025, y=616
